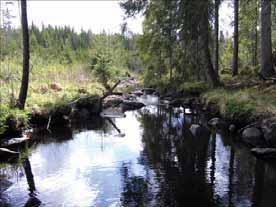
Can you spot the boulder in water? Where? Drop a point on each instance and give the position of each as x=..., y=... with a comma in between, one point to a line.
x=232, y=128
x=217, y=123
x=253, y=137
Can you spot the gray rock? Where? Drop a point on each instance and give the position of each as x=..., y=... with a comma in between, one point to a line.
x=264, y=152
x=232, y=128
x=252, y=136
x=217, y=123
x=269, y=130
x=198, y=130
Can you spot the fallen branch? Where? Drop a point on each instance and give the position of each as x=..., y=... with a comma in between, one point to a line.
x=110, y=92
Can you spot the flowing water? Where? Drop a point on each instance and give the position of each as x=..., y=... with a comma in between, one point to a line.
x=154, y=161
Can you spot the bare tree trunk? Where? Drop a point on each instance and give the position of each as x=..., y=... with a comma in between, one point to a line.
x=236, y=39
x=213, y=76
x=26, y=56
x=216, y=65
x=266, y=44
x=255, y=50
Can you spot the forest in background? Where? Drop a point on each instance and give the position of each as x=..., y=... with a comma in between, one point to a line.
x=173, y=42
x=62, y=61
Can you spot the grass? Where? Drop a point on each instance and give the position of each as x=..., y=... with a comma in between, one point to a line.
x=49, y=84
x=244, y=104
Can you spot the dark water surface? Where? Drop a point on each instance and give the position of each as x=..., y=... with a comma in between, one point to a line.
x=157, y=163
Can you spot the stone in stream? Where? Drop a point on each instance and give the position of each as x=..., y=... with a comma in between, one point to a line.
x=232, y=128
x=268, y=127
x=217, y=123
x=253, y=137
x=268, y=153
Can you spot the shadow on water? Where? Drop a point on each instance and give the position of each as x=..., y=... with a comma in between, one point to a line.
x=158, y=162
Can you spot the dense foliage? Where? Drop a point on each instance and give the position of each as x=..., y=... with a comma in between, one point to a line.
x=173, y=46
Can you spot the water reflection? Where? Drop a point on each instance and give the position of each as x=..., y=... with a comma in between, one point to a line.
x=157, y=163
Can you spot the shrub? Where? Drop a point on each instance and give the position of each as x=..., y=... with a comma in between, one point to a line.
x=20, y=116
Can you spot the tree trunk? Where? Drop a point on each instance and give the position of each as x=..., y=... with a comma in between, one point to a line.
x=26, y=56
x=236, y=39
x=266, y=44
x=255, y=49
x=213, y=76
x=216, y=65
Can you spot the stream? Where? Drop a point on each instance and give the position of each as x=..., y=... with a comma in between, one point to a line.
x=154, y=161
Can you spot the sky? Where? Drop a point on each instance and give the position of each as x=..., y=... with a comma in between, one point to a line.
x=96, y=15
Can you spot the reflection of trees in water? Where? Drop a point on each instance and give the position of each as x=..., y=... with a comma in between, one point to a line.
x=178, y=159
x=135, y=188
x=22, y=167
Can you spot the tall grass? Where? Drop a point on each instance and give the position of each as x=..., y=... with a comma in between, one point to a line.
x=49, y=83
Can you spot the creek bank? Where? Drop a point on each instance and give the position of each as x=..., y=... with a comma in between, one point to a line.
x=257, y=131
x=67, y=115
